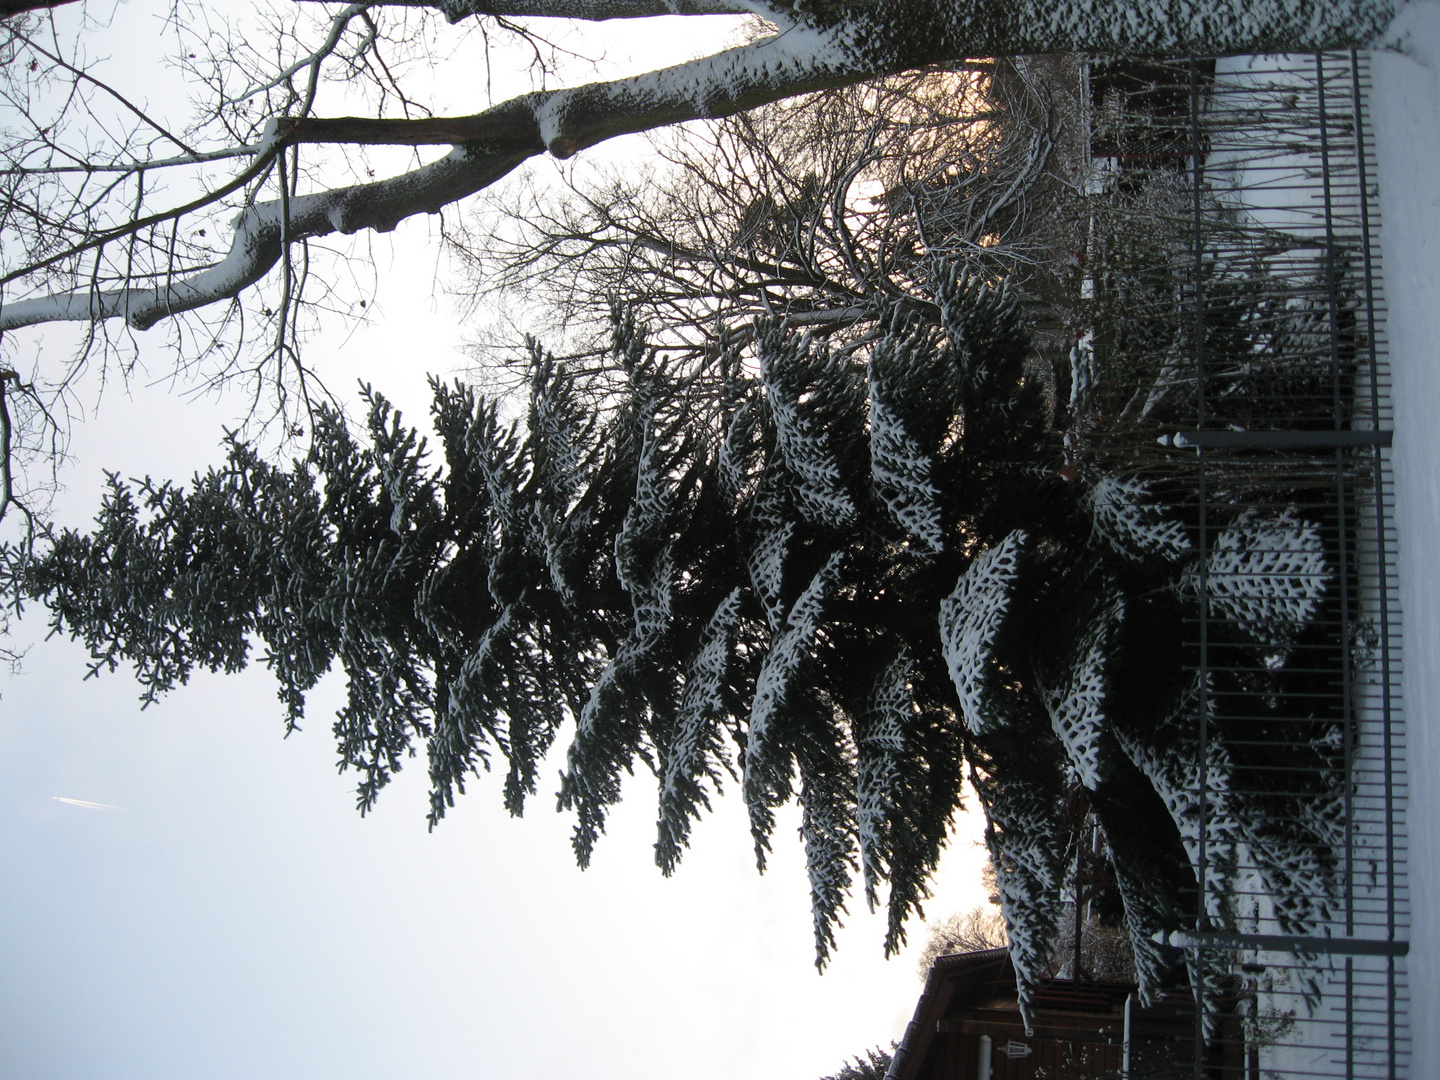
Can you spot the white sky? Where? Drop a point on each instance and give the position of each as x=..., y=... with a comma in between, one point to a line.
x=236, y=918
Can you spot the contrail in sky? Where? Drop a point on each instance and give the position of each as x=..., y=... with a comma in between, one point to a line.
x=91, y=805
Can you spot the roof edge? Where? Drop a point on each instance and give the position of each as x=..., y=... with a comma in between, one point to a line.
x=939, y=987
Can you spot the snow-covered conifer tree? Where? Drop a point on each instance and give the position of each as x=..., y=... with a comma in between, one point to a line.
x=836, y=575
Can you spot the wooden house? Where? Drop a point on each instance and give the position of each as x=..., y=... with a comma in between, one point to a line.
x=967, y=1026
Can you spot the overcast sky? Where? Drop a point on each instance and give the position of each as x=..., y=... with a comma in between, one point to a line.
x=208, y=903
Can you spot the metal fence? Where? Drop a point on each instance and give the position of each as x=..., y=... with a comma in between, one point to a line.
x=1234, y=224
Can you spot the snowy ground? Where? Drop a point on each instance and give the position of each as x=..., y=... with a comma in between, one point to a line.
x=1405, y=110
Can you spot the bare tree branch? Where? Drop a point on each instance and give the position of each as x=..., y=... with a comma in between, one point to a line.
x=563, y=121
x=222, y=154
x=808, y=210
x=20, y=7
x=12, y=388
x=84, y=76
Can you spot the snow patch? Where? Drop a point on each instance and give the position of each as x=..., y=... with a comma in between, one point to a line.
x=903, y=473
x=879, y=744
x=1077, y=711
x=789, y=651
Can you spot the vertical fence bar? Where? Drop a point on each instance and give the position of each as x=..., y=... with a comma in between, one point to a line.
x=1203, y=733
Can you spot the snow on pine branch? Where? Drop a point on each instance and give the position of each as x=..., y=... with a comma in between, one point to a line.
x=1027, y=851
x=1077, y=710
x=767, y=769
x=880, y=744
x=766, y=563
x=1130, y=525
x=560, y=445
x=606, y=735
x=827, y=824
x=970, y=619
x=1268, y=575
x=809, y=392
x=901, y=471
x=696, y=743
x=646, y=527
x=901, y=468
x=1198, y=795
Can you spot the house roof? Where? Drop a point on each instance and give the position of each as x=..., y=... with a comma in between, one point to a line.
x=959, y=972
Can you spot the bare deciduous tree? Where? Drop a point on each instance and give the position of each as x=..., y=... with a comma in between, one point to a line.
x=968, y=931
x=811, y=209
